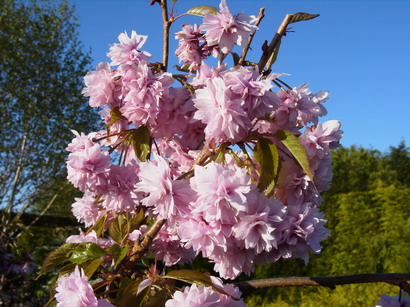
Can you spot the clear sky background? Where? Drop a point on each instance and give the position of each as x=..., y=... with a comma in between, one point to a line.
x=358, y=50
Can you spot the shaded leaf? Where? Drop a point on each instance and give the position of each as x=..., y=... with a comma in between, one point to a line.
x=157, y=298
x=202, y=10
x=118, y=253
x=67, y=269
x=296, y=149
x=86, y=251
x=301, y=17
x=99, y=226
x=235, y=58
x=267, y=156
x=127, y=295
x=141, y=142
x=136, y=220
x=57, y=257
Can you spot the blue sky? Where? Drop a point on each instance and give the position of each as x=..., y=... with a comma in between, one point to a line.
x=358, y=50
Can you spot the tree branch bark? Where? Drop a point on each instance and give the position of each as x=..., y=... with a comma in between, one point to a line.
x=274, y=42
x=397, y=279
x=167, y=25
x=248, y=45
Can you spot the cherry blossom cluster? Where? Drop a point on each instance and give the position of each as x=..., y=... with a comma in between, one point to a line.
x=187, y=154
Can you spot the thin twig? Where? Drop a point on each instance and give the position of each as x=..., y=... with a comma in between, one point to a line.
x=275, y=41
x=326, y=281
x=166, y=25
x=246, y=49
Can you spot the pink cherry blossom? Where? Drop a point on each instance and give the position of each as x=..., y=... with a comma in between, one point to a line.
x=319, y=140
x=74, y=290
x=169, y=248
x=88, y=168
x=175, y=109
x=119, y=194
x=166, y=197
x=299, y=107
x=127, y=52
x=91, y=237
x=144, y=91
x=189, y=51
x=200, y=296
x=86, y=209
x=225, y=29
x=224, y=117
x=100, y=86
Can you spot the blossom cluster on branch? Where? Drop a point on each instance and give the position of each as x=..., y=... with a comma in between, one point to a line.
x=223, y=162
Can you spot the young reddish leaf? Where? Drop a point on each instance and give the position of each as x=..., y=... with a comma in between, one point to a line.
x=296, y=149
x=202, y=10
x=301, y=17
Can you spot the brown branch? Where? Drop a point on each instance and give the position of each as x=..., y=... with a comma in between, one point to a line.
x=246, y=49
x=275, y=41
x=140, y=248
x=167, y=25
x=397, y=279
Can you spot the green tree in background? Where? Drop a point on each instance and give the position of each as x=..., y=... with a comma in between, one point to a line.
x=368, y=213
x=42, y=64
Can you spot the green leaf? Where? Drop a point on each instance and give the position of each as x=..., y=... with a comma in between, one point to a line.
x=267, y=156
x=141, y=142
x=302, y=16
x=273, y=57
x=90, y=268
x=296, y=149
x=118, y=228
x=86, y=251
x=57, y=257
x=194, y=277
x=202, y=10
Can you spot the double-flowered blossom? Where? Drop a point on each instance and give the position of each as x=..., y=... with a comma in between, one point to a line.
x=128, y=52
x=102, y=86
x=165, y=196
x=87, y=165
x=299, y=107
x=224, y=116
x=196, y=296
x=74, y=290
x=225, y=29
